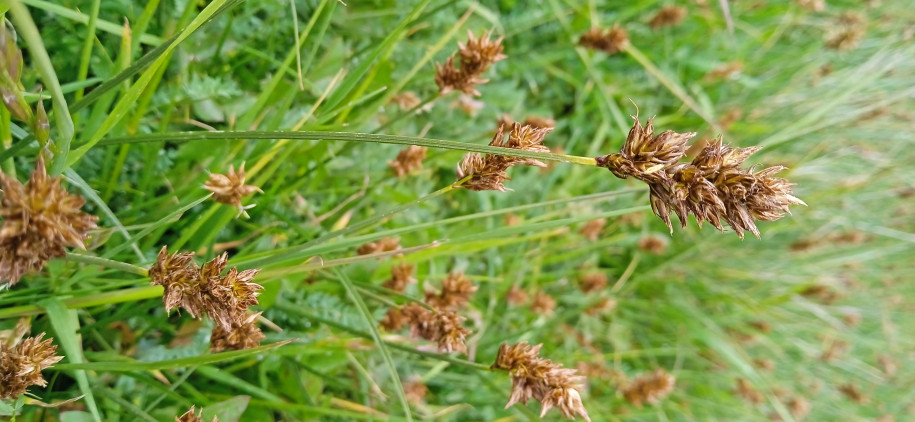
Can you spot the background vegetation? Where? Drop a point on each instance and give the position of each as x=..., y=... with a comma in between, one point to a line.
x=820, y=303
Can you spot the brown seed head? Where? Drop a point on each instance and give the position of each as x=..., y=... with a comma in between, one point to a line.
x=40, y=219
x=408, y=160
x=592, y=229
x=853, y=393
x=799, y=408
x=668, y=16
x=611, y=41
x=440, y=326
x=401, y=276
x=415, y=390
x=456, y=291
x=644, y=155
x=406, y=100
x=649, y=388
x=22, y=363
x=230, y=188
x=746, y=391
x=385, y=244
x=490, y=171
x=652, y=244
x=475, y=58
x=543, y=303
x=242, y=336
x=592, y=282
x=180, y=277
x=192, y=416
x=515, y=295
x=541, y=379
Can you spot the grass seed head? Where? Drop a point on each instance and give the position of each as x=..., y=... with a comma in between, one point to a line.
x=456, y=292
x=385, y=244
x=408, y=160
x=592, y=282
x=649, y=388
x=21, y=365
x=475, y=58
x=645, y=154
x=543, y=303
x=490, y=171
x=668, y=16
x=611, y=41
x=40, y=219
x=244, y=335
x=443, y=327
x=401, y=276
x=230, y=188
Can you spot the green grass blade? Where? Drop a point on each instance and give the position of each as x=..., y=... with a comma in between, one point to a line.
x=103, y=25
x=376, y=337
x=162, y=222
x=170, y=364
x=66, y=325
x=90, y=193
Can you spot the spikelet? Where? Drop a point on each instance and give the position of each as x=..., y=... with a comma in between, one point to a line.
x=21, y=365
x=592, y=229
x=408, y=160
x=244, y=335
x=40, y=219
x=540, y=379
x=592, y=282
x=543, y=303
x=649, y=388
x=401, y=276
x=385, y=244
x=230, y=188
x=488, y=172
x=611, y=41
x=475, y=58
x=443, y=327
x=668, y=16
x=456, y=291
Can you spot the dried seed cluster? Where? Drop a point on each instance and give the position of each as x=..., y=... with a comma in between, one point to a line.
x=540, y=379
x=712, y=187
x=401, y=276
x=230, y=188
x=40, y=219
x=668, y=16
x=611, y=41
x=385, y=244
x=456, y=291
x=443, y=327
x=204, y=290
x=21, y=365
x=408, y=160
x=489, y=171
x=649, y=388
x=475, y=57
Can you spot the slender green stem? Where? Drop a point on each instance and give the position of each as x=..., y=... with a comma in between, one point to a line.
x=289, y=308
x=345, y=136
x=376, y=337
x=107, y=263
x=108, y=298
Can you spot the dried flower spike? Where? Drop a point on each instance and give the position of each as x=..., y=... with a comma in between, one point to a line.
x=668, y=16
x=488, y=172
x=442, y=327
x=591, y=230
x=475, y=58
x=22, y=363
x=192, y=416
x=408, y=160
x=245, y=335
x=649, y=388
x=611, y=41
x=456, y=291
x=230, y=188
x=401, y=276
x=40, y=219
x=645, y=154
x=543, y=303
x=593, y=282
x=541, y=379
x=385, y=244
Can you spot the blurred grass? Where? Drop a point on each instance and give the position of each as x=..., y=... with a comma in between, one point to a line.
x=822, y=300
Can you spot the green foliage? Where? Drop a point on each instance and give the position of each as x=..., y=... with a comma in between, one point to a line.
x=822, y=297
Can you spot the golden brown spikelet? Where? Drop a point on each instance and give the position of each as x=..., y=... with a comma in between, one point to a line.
x=649, y=388
x=385, y=244
x=712, y=187
x=193, y=416
x=652, y=244
x=515, y=295
x=244, y=335
x=204, y=290
x=408, y=160
x=456, y=291
x=40, y=220
x=668, y=16
x=230, y=188
x=592, y=282
x=543, y=303
x=592, y=229
x=401, y=276
x=21, y=365
x=488, y=172
x=540, y=379
x=475, y=58
x=415, y=390
x=443, y=327
x=611, y=41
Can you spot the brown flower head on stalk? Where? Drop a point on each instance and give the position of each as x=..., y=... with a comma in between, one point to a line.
x=440, y=326
x=40, y=219
x=408, y=160
x=712, y=187
x=649, y=388
x=540, y=379
x=489, y=171
x=668, y=16
x=456, y=291
x=475, y=58
x=193, y=416
x=385, y=244
x=21, y=365
x=543, y=303
x=611, y=41
x=401, y=276
x=230, y=188
x=199, y=290
x=242, y=336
